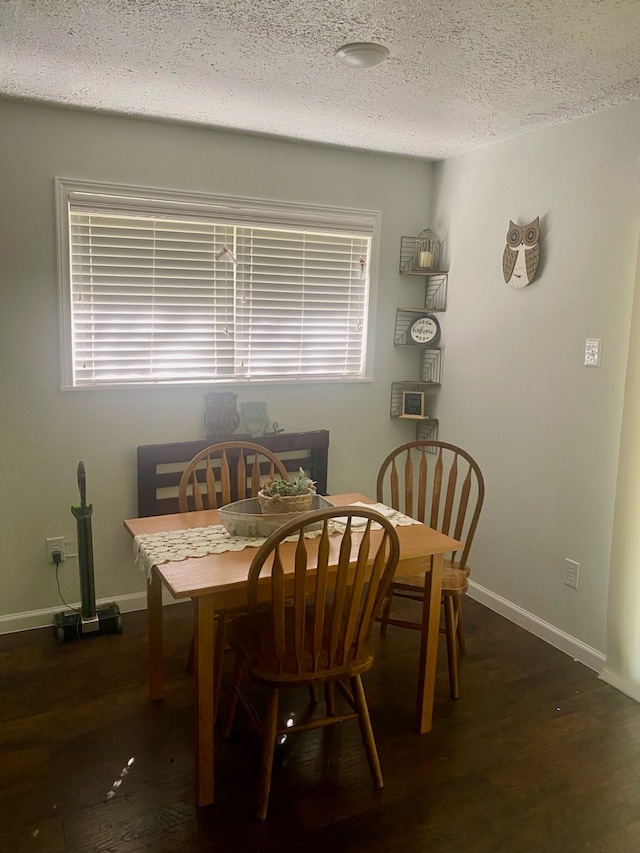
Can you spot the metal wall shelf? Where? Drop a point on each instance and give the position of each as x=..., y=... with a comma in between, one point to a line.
x=431, y=358
x=427, y=431
x=397, y=390
x=435, y=297
x=431, y=361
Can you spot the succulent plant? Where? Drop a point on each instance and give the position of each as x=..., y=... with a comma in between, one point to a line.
x=299, y=485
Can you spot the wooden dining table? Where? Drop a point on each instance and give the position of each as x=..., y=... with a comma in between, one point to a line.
x=219, y=581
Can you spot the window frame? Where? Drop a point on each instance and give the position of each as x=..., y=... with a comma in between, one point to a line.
x=236, y=210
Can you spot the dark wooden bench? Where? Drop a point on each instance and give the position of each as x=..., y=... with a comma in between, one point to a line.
x=160, y=466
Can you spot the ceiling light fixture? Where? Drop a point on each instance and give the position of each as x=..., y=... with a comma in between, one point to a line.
x=362, y=54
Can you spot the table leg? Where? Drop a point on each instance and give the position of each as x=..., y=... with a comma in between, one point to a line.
x=205, y=705
x=429, y=637
x=154, y=636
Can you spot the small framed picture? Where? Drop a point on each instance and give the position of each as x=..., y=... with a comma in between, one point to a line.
x=412, y=404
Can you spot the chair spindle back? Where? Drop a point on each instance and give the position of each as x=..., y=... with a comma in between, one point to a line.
x=436, y=483
x=322, y=612
x=229, y=471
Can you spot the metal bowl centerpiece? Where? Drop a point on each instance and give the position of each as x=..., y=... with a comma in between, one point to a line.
x=278, y=501
x=244, y=518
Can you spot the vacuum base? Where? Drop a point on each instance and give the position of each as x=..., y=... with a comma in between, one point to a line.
x=72, y=626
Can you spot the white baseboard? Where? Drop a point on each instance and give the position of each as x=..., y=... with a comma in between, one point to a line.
x=538, y=627
x=629, y=688
x=13, y=622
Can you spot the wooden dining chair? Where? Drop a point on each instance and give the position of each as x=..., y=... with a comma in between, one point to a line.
x=226, y=472
x=442, y=486
x=221, y=474
x=312, y=627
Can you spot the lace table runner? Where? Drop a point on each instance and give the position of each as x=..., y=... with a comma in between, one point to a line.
x=152, y=549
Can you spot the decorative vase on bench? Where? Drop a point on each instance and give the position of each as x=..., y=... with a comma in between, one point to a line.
x=221, y=417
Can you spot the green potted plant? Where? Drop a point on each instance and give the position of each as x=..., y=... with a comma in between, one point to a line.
x=281, y=496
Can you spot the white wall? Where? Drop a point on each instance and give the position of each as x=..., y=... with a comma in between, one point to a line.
x=45, y=432
x=544, y=429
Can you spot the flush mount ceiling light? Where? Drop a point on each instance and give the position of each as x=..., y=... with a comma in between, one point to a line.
x=362, y=54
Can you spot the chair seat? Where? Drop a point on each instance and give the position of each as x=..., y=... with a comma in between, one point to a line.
x=454, y=581
x=253, y=637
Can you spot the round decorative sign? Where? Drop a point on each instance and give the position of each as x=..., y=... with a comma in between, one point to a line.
x=424, y=330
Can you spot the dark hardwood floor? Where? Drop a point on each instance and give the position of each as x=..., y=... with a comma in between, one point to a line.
x=536, y=755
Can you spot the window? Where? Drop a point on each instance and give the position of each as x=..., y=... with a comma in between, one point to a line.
x=164, y=288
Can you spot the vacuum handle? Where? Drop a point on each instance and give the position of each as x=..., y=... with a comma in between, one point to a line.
x=82, y=484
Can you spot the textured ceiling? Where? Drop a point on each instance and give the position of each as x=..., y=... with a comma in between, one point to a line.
x=461, y=74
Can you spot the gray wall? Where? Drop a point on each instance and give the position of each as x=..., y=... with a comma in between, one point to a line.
x=45, y=432
x=544, y=428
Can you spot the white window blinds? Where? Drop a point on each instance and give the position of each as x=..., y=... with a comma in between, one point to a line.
x=150, y=300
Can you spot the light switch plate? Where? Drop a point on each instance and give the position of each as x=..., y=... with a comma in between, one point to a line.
x=592, y=352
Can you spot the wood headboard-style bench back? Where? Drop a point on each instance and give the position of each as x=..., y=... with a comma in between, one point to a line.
x=160, y=466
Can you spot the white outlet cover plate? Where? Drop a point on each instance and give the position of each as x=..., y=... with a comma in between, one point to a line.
x=592, y=352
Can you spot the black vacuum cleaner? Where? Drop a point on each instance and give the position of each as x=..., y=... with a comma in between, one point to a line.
x=89, y=620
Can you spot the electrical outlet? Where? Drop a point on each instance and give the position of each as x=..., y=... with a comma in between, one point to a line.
x=55, y=545
x=571, y=573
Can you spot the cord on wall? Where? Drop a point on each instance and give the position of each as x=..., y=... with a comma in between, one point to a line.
x=68, y=606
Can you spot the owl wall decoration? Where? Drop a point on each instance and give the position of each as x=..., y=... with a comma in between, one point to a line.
x=521, y=254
